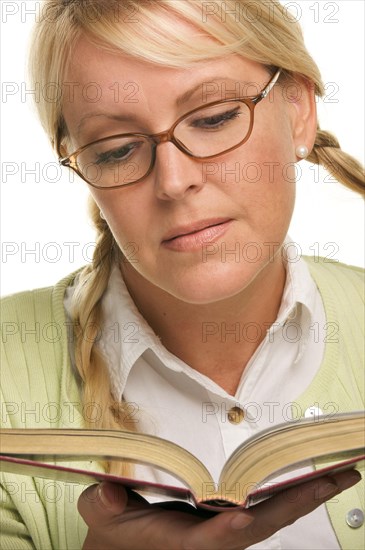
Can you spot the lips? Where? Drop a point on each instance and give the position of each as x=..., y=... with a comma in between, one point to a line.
x=196, y=234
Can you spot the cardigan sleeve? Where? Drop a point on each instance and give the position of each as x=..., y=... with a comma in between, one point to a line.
x=23, y=519
x=36, y=379
x=13, y=533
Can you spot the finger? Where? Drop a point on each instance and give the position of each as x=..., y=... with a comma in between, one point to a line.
x=288, y=506
x=345, y=480
x=247, y=527
x=220, y=532
x=100, y=504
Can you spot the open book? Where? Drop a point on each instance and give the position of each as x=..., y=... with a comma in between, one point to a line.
x=336, y=443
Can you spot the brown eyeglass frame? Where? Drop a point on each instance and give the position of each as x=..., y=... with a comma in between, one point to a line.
x=168, y=135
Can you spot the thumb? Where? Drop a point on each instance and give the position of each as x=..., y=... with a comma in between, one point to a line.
x=101, y=503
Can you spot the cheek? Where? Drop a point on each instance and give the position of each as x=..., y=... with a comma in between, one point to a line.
x=260, y=178
x=130, y=219
x=272, y=150
x=119, y=218
x=262, y=172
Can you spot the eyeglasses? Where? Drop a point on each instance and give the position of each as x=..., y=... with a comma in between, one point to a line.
x=203, y=133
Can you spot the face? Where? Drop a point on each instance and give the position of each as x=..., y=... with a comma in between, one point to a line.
x=201, y=231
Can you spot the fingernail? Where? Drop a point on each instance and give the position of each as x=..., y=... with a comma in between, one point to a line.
x=353, y=478
x=241, y=520
x=102, y=496
x=327, y=490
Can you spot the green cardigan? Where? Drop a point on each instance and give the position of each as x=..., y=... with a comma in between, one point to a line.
x=39, y=389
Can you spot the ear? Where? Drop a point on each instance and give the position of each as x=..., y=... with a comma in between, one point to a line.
x=303, y=112
x=63, y=151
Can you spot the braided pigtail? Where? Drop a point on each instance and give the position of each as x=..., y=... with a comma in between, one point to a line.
x=345, y=169
x=101, y=411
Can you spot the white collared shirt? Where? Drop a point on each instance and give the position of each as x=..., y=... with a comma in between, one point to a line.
x=175, y=402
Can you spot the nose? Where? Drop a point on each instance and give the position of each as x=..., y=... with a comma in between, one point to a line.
x=176, y=174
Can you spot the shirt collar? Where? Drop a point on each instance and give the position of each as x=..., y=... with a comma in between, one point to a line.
x=126, y=335
x=299, y=296
x=299, y=288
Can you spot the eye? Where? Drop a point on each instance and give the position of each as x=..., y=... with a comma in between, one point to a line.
x=117, y=154
x=218, y=120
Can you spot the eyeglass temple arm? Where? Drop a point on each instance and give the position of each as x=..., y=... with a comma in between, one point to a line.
x=64, y=161
x=268, y=87
x=56, y=143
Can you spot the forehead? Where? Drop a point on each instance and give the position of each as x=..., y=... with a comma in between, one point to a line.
x=90, y=63
x=111, y=92
x=99, y=77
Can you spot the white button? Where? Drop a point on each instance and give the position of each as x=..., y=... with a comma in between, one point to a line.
x=355, y=518
x=313, y=412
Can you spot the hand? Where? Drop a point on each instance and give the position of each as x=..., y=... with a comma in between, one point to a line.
x=119, y=521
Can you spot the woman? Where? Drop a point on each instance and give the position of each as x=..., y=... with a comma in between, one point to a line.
x=182, y=326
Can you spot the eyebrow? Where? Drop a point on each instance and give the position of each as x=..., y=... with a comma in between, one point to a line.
x=186, y=95
x=105, y=114
x=179, y=101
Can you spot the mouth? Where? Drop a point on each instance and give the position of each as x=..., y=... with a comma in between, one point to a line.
x=197, y=234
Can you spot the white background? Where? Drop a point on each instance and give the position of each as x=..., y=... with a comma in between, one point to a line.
x=42, y=211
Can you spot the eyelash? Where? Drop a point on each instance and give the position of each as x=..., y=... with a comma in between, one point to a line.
x=106, y=157
x=222, y=118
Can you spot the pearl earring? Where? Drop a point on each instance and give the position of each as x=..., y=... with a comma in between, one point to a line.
x=101, y=214
x=301, y=151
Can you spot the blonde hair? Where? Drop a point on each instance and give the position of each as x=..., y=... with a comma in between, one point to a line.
x=264, y=32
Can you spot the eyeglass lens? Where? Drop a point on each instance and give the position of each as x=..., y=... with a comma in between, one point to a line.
x=123, y=160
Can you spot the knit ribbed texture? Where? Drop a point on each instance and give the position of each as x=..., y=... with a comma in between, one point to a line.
x=39, y=390
x=340, y=383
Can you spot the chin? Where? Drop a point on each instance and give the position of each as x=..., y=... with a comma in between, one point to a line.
x=203, y=287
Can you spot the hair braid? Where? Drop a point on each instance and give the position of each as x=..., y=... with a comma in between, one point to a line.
x=90, y=362
x=345, y=168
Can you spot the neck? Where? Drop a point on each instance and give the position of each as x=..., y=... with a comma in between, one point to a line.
x=221, y=336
